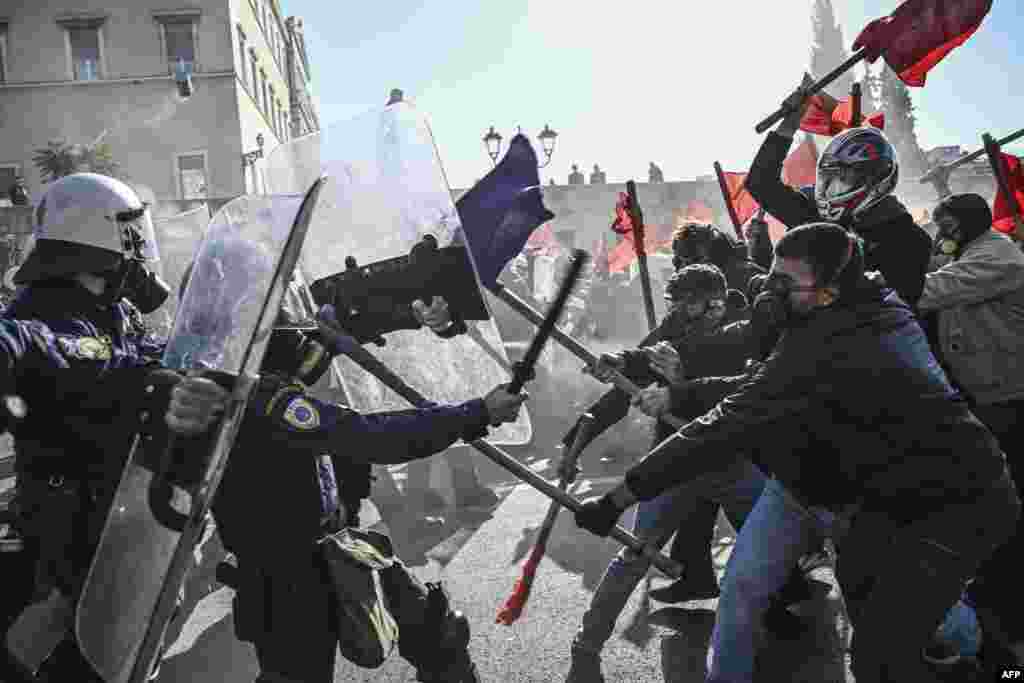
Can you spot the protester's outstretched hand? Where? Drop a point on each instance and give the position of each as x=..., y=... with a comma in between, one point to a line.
x=196, y=403
x=665, y=361
x=436, y=316
x=607, y=365
x=653, y=401
x=502, y=406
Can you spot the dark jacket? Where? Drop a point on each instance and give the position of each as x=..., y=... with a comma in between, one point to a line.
x=894, y=243
x=272, y=482
x=858, y=383
x=716, y=351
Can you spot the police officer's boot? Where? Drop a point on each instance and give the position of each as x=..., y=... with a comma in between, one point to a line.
x=452, y=663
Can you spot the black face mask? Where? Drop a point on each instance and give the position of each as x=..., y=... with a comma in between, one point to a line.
x=772, y=307
x=135, y=282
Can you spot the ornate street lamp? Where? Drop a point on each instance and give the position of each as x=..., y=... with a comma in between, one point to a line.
x=493, y=139
x=547, y=141
x=493, y=142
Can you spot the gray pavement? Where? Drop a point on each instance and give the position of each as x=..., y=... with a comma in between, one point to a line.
x=480, y=563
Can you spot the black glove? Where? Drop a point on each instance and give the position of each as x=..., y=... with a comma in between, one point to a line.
x=598, y=515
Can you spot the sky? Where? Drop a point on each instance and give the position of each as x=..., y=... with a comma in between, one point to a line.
x=679, y=83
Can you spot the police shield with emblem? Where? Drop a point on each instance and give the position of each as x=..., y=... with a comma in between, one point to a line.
x=386, y=233
x=222, y=327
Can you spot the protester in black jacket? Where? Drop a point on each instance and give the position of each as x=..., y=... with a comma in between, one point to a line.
x=857, y=174
x=852, y=369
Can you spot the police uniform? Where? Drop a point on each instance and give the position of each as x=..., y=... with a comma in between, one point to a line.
x=79, y=364
x=299, y=469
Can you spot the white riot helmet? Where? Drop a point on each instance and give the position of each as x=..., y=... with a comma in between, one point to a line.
x=91, y=223
x=857, y=170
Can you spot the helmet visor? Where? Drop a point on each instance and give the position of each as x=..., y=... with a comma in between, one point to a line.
x=138, y=239
x=836, y=181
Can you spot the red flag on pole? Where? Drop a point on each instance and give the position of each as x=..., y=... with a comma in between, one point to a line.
x=624, y=253
x=827, y=116
x=920, y=33
x=742, y=200
x=1002, y=206
x=622, y=224
x=801, y=166
x=542, y=240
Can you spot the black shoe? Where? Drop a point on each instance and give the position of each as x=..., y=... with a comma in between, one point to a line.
x=687, y=589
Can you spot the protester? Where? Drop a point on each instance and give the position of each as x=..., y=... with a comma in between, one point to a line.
x=856, y=176
x=933, y=492
x=979, y=300
x=691, y=339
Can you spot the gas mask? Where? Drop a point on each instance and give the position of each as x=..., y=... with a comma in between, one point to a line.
x=688, y=314
x=135, y=282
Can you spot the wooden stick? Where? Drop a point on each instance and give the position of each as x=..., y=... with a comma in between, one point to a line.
x=728, y=202
x=814, y=88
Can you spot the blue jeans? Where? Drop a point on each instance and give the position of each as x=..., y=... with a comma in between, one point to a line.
x=735, y=489
x=778, y=532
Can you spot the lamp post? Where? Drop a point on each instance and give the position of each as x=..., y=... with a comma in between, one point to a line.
x=492, y=141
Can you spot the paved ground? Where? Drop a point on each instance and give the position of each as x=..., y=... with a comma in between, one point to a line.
x=480, y=563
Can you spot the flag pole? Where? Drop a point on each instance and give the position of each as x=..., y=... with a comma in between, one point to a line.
x=636, y=216
x=728, y=202
x=855, y=105
x=939, y=176
x=995, y=159
x=814, y=88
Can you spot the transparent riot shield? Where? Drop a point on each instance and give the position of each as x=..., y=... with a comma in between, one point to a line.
x=386, y=191
x=224, y=321
x=178, y=237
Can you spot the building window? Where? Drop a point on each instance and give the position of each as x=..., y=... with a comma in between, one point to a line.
x=252, y=72
x=3, y=52
x=84, y=41
x=242, y=59
x=179, y=35
x=192, y=181
x=272, y=109
x=266, y=100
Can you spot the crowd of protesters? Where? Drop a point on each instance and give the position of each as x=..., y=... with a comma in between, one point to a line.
x=884, y=369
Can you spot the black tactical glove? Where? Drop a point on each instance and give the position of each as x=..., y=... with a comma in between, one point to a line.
x=598, y=515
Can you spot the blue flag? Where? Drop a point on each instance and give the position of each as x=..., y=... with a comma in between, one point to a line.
x=499, y=212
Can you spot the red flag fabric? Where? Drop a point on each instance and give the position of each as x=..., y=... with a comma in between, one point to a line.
x=1002, y=209
x=742, y=201
x=542, y=240
x=695, y=211
x=827, y=116
x=624, y=253
x=920, y=33
x=801, y=166
x=622, y=224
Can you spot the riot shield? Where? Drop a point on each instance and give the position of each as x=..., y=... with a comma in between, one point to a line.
x=178, y=236
x=222, y=327
x=385, y=195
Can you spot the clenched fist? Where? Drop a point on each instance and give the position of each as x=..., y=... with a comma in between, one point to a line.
x=665, y=361
x=653, y=401
x=503, y=406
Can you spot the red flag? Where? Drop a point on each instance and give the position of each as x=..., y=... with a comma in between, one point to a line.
x=827, y=116
x=920, y=33
x=1002, y=209
x=622, y=224
x=624, y=253
x=742, y=201
x=695, y=211
x=542, y=240
x=801, y=166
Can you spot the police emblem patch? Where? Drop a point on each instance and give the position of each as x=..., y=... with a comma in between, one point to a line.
x=301, y=414
x=85, y=348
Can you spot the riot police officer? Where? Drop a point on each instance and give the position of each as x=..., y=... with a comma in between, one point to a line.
x=73, y=345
